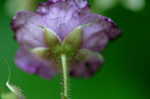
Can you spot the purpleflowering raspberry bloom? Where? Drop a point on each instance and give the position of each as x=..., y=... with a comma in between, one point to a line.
x=62, y=26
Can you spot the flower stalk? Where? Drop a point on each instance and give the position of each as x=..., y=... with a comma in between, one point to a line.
x=65, y=76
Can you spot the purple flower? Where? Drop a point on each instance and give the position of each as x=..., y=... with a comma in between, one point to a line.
x=62, y=26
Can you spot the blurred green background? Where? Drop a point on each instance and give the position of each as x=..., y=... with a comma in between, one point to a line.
x=125, y=74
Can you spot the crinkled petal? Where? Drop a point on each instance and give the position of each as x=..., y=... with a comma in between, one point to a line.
x=27, y=28
x=86, y=67
x=28, y=33
x=20, y=20
x=81, y=3
x=97, y=35
x=63, y=17
x=54, y=1
x=57, y=17
x=29, y=63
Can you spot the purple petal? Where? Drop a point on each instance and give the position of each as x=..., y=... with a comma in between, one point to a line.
x=79, y=3
x=54, y=1
x=33, y=65
x=20, y=20
x=96, y=36
x=86, y=67
x=58, y=17
x=63, y=17
x=27, y=29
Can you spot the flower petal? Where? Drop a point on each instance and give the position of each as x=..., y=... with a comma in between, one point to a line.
x=63, y=16
x=33, y=65
x=27, y=28
x=54, y=1
x=97, y=35
x=20, y=19
x=26, y=24
x=81, y=3
x=86, y=64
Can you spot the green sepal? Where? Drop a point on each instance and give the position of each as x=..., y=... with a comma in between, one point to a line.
x=41, y=52
x=74, y=38
x=55, y=47
x=85, y=54
x=50, y=37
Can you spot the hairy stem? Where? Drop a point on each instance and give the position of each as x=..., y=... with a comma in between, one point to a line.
x=65, y=76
